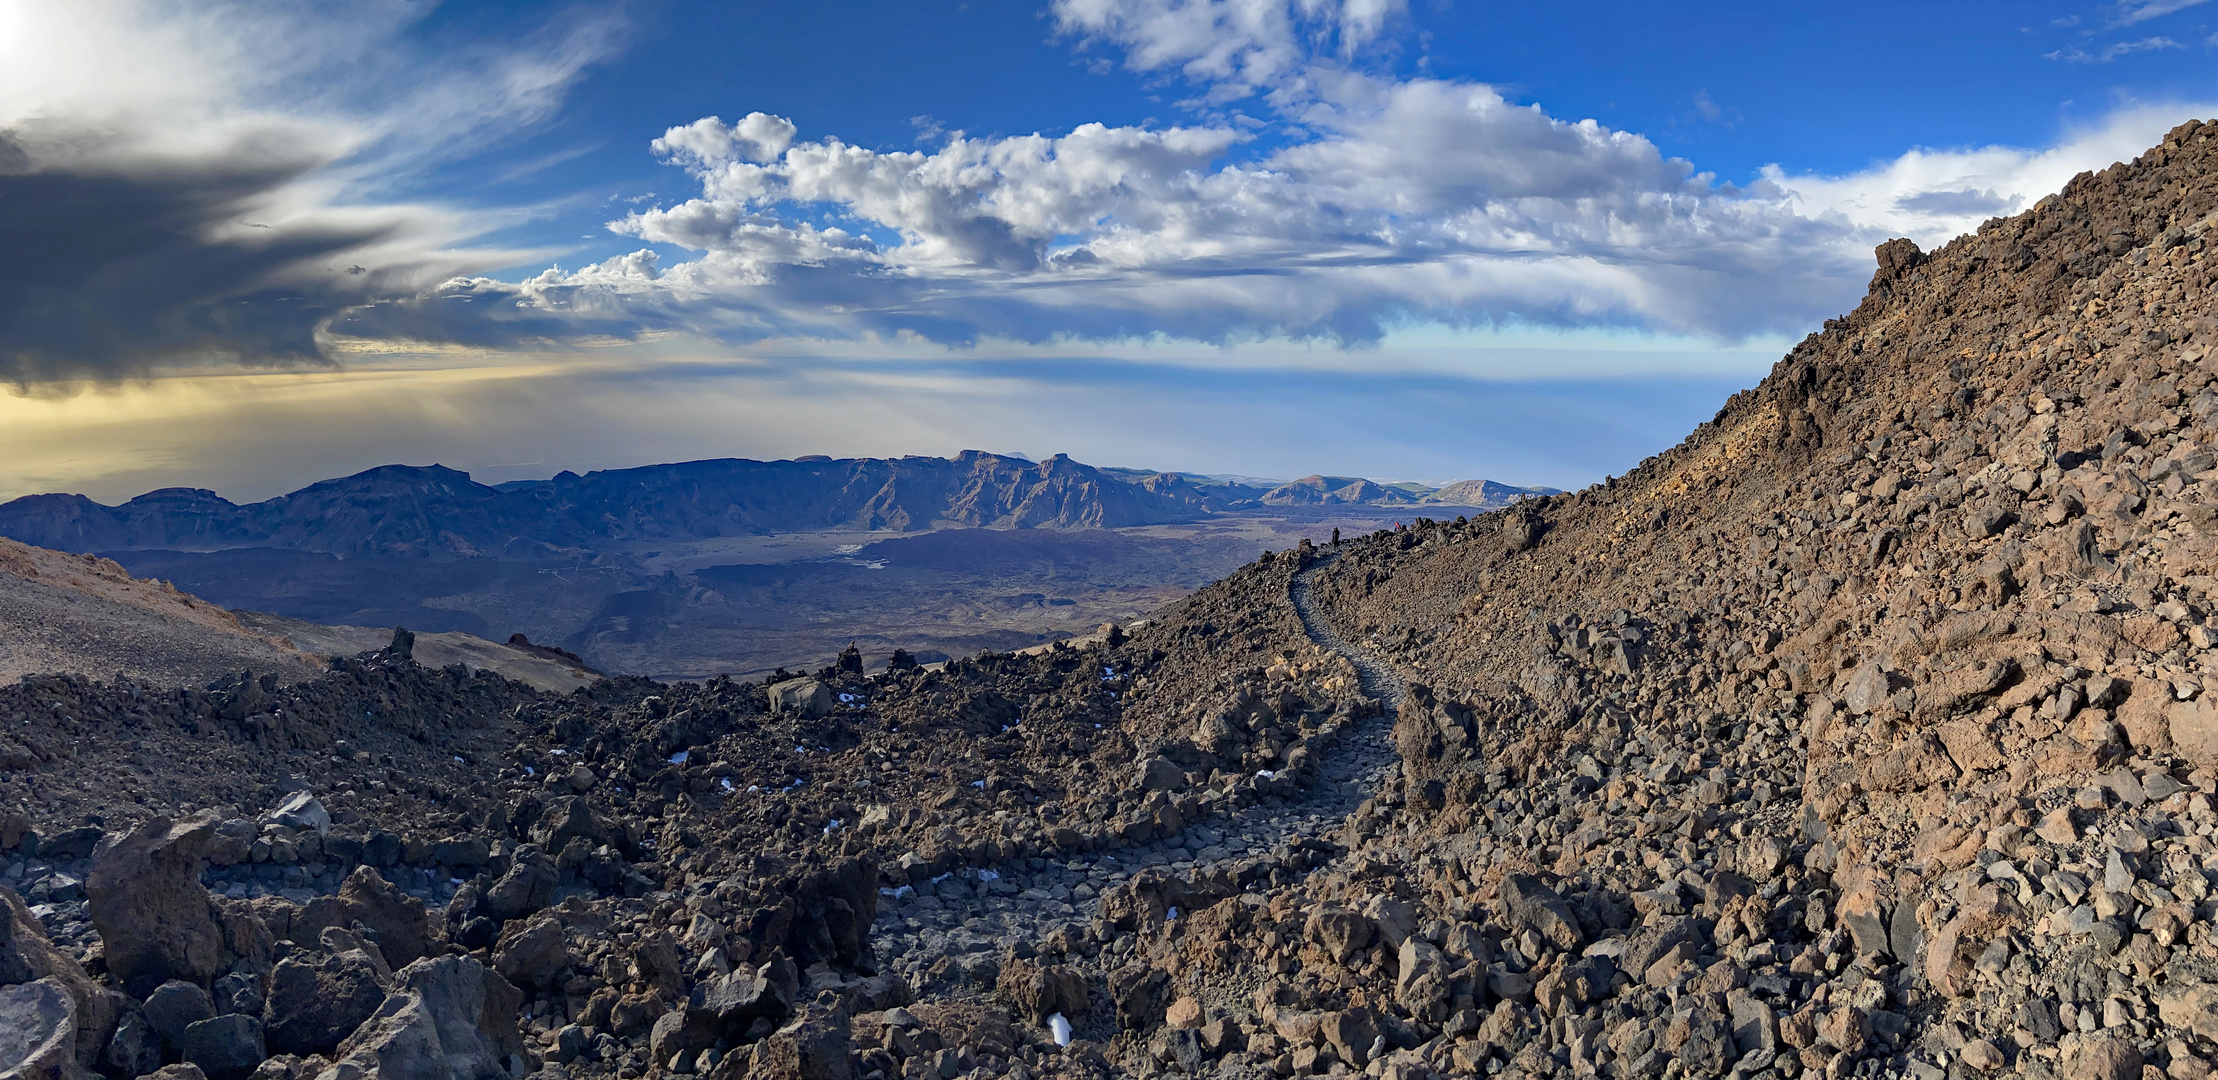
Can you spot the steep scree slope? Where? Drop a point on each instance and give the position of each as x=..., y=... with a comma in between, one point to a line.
x=1884, y=690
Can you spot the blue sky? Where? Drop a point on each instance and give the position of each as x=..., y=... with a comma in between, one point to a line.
x=262, y=242
x=1731, y=87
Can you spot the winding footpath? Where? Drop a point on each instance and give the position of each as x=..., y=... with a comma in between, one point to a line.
x=1380, y=684
x=951, y=927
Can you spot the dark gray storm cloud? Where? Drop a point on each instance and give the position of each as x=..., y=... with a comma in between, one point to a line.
x=212, y=183
x=110, y=272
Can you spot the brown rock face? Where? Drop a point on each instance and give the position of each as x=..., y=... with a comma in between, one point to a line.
x=2193, y=730
x=1038, y=992
x=2103, y=1057
x=531, y=954
x=145, y=897
x=405, y=931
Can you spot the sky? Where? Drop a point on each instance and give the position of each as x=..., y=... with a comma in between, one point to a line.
x=255, y=244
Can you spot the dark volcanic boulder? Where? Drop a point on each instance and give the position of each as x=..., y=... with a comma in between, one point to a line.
x=315, y=1002
x=532, y=954
x=528, y=886
x=175, y=1006
x=226, y=1047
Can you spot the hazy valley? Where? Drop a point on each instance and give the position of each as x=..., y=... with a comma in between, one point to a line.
x=740, y=568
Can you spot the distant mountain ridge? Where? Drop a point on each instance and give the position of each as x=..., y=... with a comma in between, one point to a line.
x=436, y=512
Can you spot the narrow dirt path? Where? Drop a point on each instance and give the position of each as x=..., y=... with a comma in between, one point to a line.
x=1380, y=683
x=951, y=926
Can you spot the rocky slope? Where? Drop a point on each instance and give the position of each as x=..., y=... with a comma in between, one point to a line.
x=1864, y=733
x=1356, y=491
x=62, y=612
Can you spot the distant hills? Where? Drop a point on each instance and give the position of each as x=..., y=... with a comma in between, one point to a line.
x=440, y=513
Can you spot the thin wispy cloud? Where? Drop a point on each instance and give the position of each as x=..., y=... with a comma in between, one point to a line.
x=544, y=162
x=2077, y=55
x=2138, y=11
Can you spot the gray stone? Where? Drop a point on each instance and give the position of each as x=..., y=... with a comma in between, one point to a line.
x=2117, y=876
x=805, y=698
x=1906, y=936
x=2161, y=786
x=226, y=1047
x=1533, y=903
x=2126, y=786
x=1867, y=689
x=135, y=1049
x=38, y=1031
x=449, y=1017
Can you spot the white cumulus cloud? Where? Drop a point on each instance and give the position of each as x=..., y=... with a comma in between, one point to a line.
x=1367, y=201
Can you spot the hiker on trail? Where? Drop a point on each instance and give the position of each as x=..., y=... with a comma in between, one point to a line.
x=1336, y=537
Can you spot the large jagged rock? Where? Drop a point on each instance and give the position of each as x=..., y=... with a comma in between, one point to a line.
x=175, y=1006
x=806, y=699
x=813, y=1046
x=27, y=956
x=405, y=930
x=156, y=921
x=1037, y=992
x=449, y=1018
x=316, y=1001
x=823, y=917
x=38, y=1032
x=532, y=954
x=528, y=885
x=226, y=1047
x=1533, y=903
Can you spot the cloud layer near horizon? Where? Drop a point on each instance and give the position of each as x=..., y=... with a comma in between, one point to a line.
x=256, y=208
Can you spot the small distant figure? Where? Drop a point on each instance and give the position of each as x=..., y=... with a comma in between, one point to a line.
x=1336, y=537
x=851, y=660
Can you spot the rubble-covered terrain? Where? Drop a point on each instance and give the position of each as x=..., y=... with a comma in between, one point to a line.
x=1863, y=733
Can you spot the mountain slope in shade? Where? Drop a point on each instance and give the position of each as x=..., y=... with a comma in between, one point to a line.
x=1356, y=491
x=436, y=512
x=399, y=510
